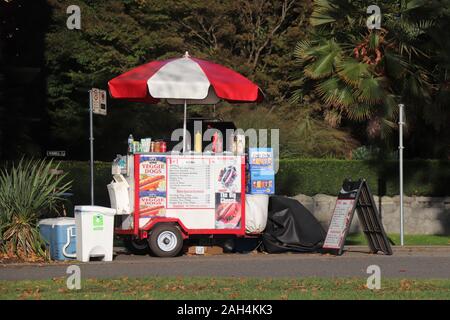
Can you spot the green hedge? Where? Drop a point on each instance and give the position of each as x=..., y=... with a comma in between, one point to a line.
x=307, y=176
x=79, y=173
x=313, y=176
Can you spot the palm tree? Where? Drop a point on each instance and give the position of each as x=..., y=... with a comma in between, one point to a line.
x=360, y=74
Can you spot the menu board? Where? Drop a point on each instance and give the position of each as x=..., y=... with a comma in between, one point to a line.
x=152, y=188
x=189, y=183
x=339, y=223
x=204, y=192
x=355, y=196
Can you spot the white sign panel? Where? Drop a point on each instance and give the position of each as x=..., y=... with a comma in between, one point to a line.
x=56, y=153
x=204, y=192
x=189, y=183
x=339, y=223
x=98, y=101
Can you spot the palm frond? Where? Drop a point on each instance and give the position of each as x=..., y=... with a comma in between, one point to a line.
x=333, y=92
x=359, y=112
x=395, y=65
x=408, y=5
x=322, y=13
x=352, y=71
x=325, y=56
x=370, y=90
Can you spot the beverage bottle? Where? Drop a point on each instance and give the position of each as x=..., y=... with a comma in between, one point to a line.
x=219, y=144
x=234, y=145
x=198, y=142
x=130, y=143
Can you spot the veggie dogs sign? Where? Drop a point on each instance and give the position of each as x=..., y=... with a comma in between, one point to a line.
x=152, y=186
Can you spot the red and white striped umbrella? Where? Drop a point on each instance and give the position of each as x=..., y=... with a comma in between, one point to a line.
x=185, y=81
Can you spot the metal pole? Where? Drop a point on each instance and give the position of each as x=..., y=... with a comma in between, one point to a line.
x=184, y=126
x=91, y=140
x=400, y=148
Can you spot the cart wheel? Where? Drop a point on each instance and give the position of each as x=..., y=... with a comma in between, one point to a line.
x=165, y=240
x=136, y=246
x=229, y=245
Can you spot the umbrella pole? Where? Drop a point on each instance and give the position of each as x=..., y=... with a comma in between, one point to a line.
x=184, y=126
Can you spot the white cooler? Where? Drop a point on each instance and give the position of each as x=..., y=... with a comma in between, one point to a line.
x=95, y=232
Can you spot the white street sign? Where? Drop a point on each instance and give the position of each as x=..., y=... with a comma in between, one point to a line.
x=56, y=153
x=98, y=101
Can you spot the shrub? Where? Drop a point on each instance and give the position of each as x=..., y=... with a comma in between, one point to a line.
x=28, y=191
x=79, y=173
x=313, y=176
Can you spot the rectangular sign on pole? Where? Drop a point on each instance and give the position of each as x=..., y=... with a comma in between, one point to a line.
x=56, y=153
x=98, y=101
x=356, y=196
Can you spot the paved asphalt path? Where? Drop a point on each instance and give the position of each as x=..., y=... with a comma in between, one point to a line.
x=408, y=262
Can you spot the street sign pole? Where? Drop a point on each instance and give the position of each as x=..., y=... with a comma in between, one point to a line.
x=400, y=148
x=97, y=105
x=91, y=140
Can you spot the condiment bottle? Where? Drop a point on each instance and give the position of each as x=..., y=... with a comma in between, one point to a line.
x=198, y=142
x=130, y=143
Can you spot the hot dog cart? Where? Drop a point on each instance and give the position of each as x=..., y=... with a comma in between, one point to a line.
x=168, y=197
x=164, y=198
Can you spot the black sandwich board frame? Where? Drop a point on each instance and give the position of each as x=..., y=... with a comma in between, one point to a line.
x=359, y=193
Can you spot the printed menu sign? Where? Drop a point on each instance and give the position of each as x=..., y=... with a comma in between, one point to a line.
x=227, y=177
x=208, y=183
x=152, y=186
x=354, y=197
x=228, y=210
x=339, y=223
x=189, y=183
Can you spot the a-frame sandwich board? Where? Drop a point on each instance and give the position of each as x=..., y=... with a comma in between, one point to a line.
x=356, y=195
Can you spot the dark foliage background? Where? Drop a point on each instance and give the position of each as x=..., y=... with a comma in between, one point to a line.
x=46, y=70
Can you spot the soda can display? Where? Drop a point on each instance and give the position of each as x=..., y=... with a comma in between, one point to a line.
x=163, y=147
x=157, y=146
x=136, y=147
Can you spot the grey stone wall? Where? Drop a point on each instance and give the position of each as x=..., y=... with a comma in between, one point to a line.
x=423, y=215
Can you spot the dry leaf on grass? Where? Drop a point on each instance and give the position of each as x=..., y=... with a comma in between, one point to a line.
x=405, y=285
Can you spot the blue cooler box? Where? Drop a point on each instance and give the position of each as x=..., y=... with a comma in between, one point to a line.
x=59, y=235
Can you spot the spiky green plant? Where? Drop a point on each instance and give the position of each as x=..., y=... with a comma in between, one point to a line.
x=28, y=191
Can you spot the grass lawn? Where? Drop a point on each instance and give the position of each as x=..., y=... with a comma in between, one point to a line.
x=225, y=288
x=411, y=240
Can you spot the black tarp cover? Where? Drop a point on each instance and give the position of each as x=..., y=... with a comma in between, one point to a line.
x=291, y=227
